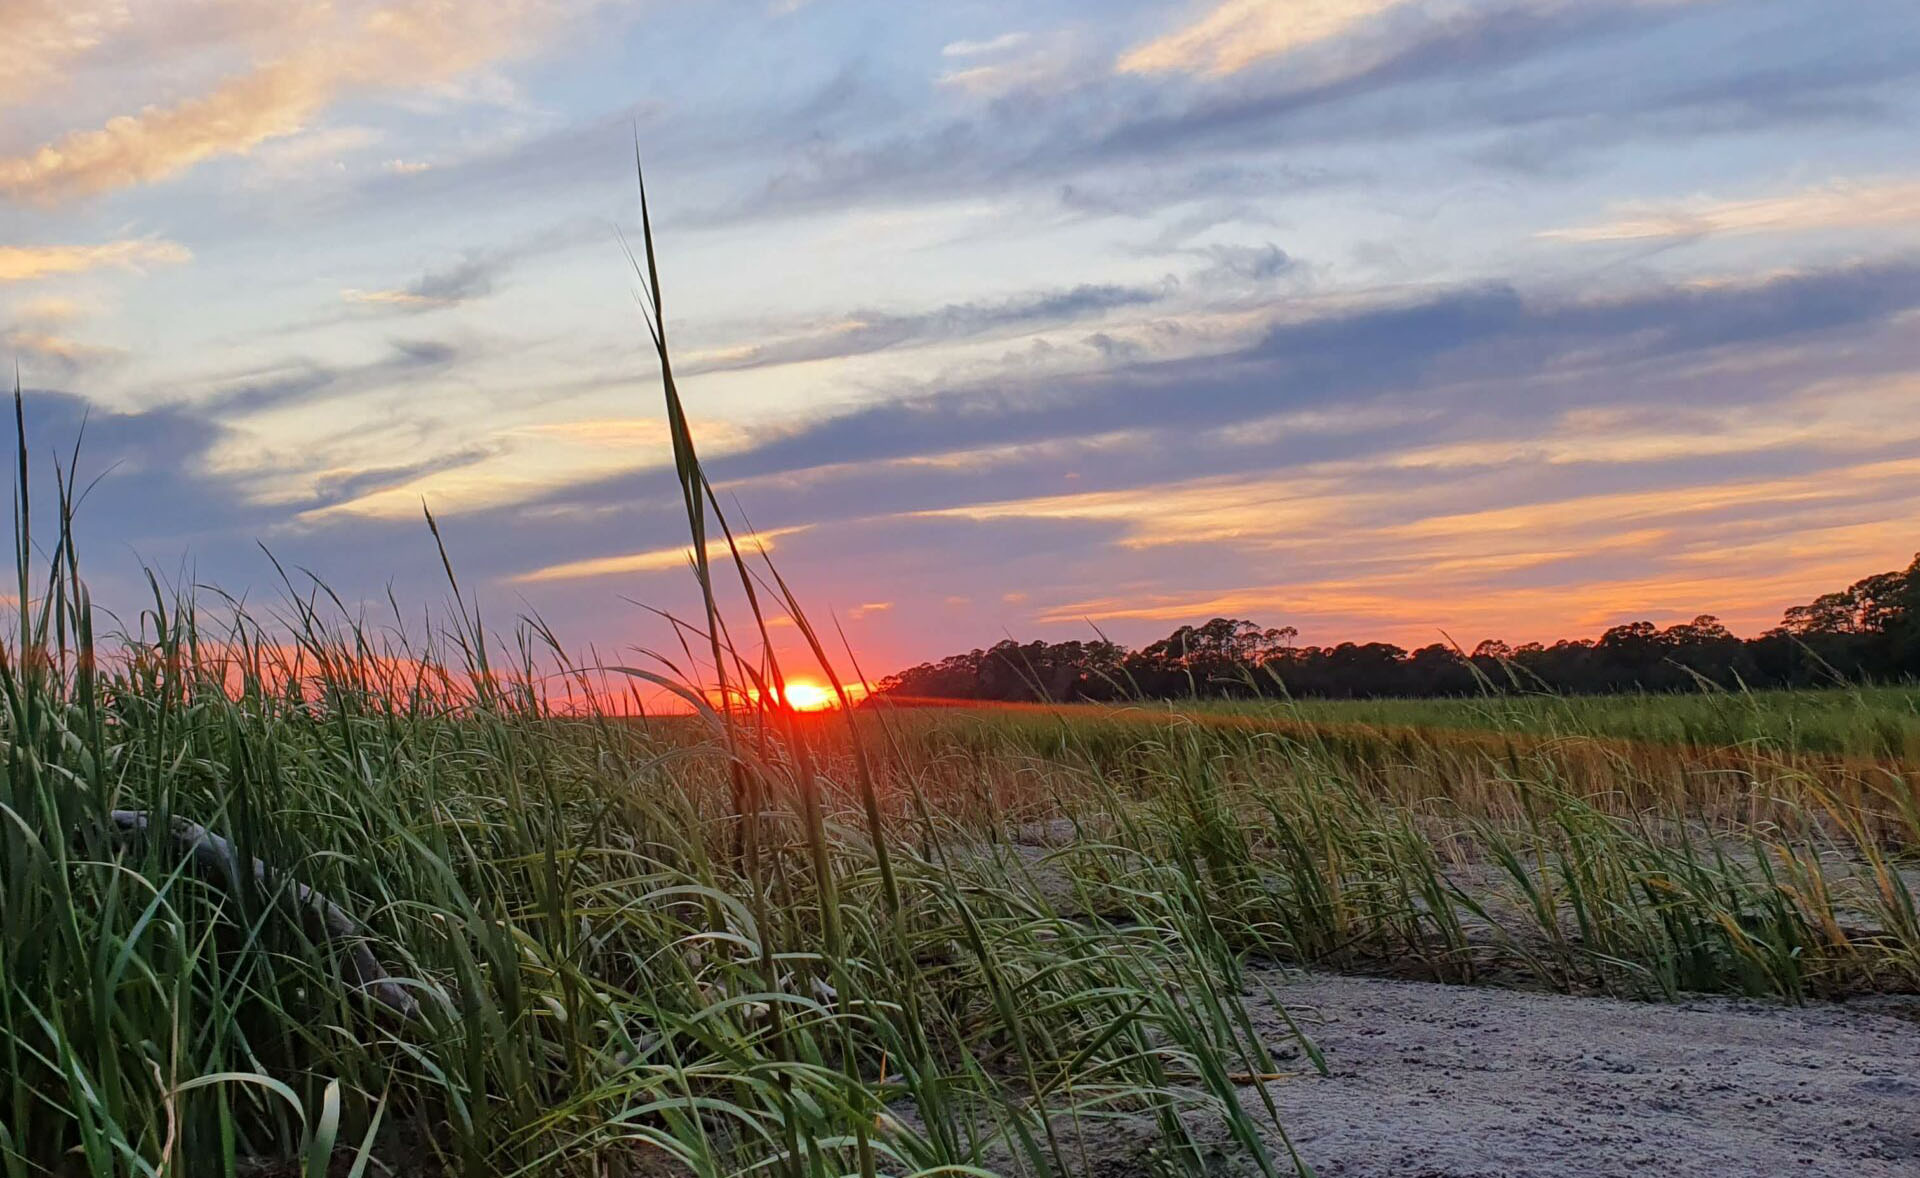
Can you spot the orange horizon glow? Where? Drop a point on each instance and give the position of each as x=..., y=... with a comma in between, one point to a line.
x=801, y=694
x=806, y=695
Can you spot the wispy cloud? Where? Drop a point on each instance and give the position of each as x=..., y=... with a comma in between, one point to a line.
x=470, y=278
x=1350, y=352
x=1574, y=560
x=42, y=36
x=864, y=332
x=160, y=141
x=475, y=273
x=51, y=310
x=655, y=560
x=303, y=381
x=1239, y=33
x=1839, y=205
x=1054, y=62
x=40, y=334
x=22, y=263
x=1000, y=44
x=55, y=352
x=1398, y=78
x=409, y=44
x=520, y=463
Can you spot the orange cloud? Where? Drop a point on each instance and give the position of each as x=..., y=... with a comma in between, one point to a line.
x=50, y=310
x=43, y=35
x=22, y=263
x=55, y=347
x=158, y=142
x=514, y=464
x=656, y=560
x=1236, y=34
x=410, y=44
x=394, y=298
x=1742, y=549
x=1840, y=205
x=1239, y=33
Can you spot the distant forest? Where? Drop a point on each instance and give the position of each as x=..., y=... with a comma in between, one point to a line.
x=1868, y=632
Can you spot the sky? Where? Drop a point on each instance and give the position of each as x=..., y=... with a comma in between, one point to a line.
x=1385, y=319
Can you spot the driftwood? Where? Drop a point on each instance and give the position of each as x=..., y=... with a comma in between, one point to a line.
x=214, y=853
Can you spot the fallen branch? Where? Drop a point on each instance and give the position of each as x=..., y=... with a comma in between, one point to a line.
x=211, y=851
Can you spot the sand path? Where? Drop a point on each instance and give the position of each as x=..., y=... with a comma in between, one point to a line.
x=1434, y=1081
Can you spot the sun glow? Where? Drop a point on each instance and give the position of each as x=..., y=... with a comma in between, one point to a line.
x=805, y=696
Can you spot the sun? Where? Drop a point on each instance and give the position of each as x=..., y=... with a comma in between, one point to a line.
x=805, y=696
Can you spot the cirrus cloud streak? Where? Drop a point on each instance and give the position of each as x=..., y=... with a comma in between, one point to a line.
x=23, y=263
x=1839, y=205
x=410, y=44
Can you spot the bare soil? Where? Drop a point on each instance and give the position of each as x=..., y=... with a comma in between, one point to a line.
x=1434, y=1081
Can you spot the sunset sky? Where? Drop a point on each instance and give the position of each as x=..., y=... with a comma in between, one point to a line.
x=1380, y=318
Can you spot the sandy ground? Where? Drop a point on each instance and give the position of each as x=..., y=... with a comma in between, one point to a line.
x=1435, y=1081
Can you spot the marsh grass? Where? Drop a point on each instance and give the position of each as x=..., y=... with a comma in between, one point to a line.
x=604, y=978
x=707, y=944
x=1871, y=722
x=1566, y=864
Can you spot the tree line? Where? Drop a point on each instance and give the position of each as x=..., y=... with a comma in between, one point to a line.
x=1867, y=632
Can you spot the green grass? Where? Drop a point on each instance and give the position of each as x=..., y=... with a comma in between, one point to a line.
x=336, y=898
x=1567, y=863
x=605, y=977
x=598, y=977
x=1870, y=722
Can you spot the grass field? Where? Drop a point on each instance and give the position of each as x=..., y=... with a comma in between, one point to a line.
x=599, y=961
x=312, y=897
x=1865, y=722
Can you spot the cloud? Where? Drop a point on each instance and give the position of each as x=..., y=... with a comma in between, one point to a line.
x=1239, y=33
x=868, y=609
x=410, y=44
x=1018, y=62
x=520, y=464
x=864, y=332
x=1244, y=265
x=1364, y=454
x=1838, y=205
x=475, y=274
x=154, y=491
x=1000, y=44
x=1540, y=563
x=43, y=35
x=54, y=353
x=158, y=142
x=302, y=381
x=470, y=278
x=342, y=487
x=1458, y=338
x=22, y=263
x=51, y=310
x=1371, y=470
x=1495, y=75
x=38, y=335
x=657, y=560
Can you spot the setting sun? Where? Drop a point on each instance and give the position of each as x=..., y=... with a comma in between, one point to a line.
x=805, y=696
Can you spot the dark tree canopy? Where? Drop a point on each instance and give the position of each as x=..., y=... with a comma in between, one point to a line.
x=1869, y=631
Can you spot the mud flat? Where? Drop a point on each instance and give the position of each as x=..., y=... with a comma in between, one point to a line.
x=1435, y=1081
